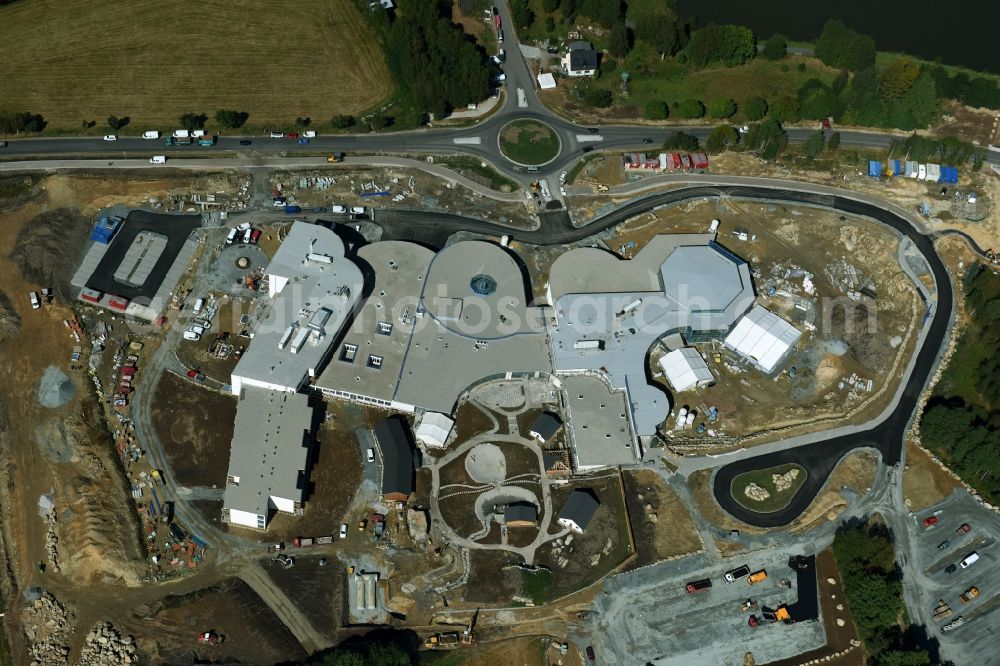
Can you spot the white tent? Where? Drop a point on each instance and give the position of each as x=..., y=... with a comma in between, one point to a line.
x=434, y=429
x=763, y=338
x=546, y=81
x=686, y=369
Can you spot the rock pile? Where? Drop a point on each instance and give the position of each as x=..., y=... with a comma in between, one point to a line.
x=51, y=539
x=756, y=493
x=105, y=645
x=783, y=482
x=48, y=626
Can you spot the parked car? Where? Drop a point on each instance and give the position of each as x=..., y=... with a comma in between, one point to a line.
x=338, y=209
x=245, y=142
x=590, y=653
x=255, y=236
x=231, y=237
x=277, y=135
x=944, y=544
x=279, y=203
x=930, y=521
x=358, y=210
x=304, y=141
x=309, y=134
x=151, y=134
x=963, y=529
x=594, y=130
x=969, y=560
x=563, y=176
x=193, y=333
x=370, y=454
x=110, y=137
x=502, y=56
x=343, y=530
x=246, y=235
x=293, y=135
x=500, y=36
x=158, y=159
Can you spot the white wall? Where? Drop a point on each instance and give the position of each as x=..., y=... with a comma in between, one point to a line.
x=565, y=522
x=238, y=383
x=275, y=283
x=244, y=518
x=283, y=504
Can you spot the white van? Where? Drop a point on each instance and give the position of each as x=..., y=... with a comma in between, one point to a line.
x=969, y=560
x=158, y=159
x=309, y=134
x=197, y=134
x=358, y=210
x=150, y=134
x=193, y=333
x=370, y=454
x=198, y=305
x=231, y=237
x=181, y=134
x=246, y=235
x=338, y=209
x=35, y=301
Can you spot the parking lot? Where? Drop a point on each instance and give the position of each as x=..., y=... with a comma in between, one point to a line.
x=647, y=616
x=978, y=633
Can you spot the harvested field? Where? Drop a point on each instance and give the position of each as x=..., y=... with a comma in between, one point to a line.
x=149, y=62
x=671, y=533
x=196, y=428
x=167, y=630
x=925, y=483
x=318, y=591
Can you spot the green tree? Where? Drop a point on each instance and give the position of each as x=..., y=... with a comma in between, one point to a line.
x=568, y=9
x=839, y=46
x=722, y=107
x=816, y=101
x=550, y=24
x=605, y=12
x=618, y=40
x=113, y=123
x=840, y=81
x=766, y=139
x=656, y=110
x=379, y=122
x=681, y=141
x=550, y=6
x=729, y=44
x=785, y=110
x=775, y=48
x=521, y=14
x=754, y=108
x=598, y=97
x=230, y=118
x=342, y=122
x=661, y=30
x=302, y=121
x=814, y=145
x=897, y=78
x=721, y=138
x=833, y=143
x=691, y=108
x=193, y=121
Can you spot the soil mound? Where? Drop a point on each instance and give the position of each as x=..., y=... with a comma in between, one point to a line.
x=55, y=389
x=10, y=321
x=48, y=245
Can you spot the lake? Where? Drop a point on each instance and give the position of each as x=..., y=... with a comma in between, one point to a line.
x=957, y=35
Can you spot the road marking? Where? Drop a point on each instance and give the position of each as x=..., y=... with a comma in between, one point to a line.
x=589, y=138
x=470, y=140
x=522, y=99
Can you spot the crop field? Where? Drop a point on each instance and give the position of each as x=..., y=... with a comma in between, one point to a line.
x=151, y=60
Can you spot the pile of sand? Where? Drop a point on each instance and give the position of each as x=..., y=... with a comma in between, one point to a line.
x=55, y=389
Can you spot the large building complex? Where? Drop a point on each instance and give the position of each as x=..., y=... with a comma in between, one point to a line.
x=313, y=289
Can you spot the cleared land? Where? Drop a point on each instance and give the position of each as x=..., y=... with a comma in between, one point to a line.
x=925, y=483
x=663, y=525
x=151, y=61
x=766, y=479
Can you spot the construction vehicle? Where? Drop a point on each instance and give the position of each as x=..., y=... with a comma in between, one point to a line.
x=210, y=638
x=757, y=577
x=748, y=605
x=969, y=594
x=362, y=524
x=992, y=256
x=702, y=585
x=286, y=561
x=300, y=542
x=771, y=616
x=735, y=574
x=942, y=610
x=954, y=624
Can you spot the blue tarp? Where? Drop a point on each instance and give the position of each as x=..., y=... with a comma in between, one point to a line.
x=368, y=195
x=897, y=168
x=874, y=169
x=104, y=230
x=949, y=174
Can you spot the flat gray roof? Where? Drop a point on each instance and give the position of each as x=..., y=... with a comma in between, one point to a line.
x=599, y=417
x=312, y=279
x=269, y=451
x=140, y=258
x=699, y=288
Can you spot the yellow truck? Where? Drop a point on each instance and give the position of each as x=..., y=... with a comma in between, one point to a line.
x=758, y=577
x=969, y=595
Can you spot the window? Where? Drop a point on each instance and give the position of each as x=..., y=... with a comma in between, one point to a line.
x=348, y=353
x=374, y=361
x=384, y=328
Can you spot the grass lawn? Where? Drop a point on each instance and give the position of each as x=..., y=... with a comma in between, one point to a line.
x=536, y=584
x=151, y=61
x=529, y=142
x=472, y=167
x=762, y=477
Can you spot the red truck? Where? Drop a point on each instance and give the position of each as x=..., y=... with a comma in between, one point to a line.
x=702, y=585
x=300, y=542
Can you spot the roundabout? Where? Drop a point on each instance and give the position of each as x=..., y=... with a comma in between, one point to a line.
x=529, y=142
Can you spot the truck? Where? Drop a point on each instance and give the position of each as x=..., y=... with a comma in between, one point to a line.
x=702, y=585
x=181, y=134
x=736, y=574
x=942, y=610
x=150, y=134
x=969, y=594
x=158, y=477
x=177, y=141
x=302, y=542
x=207, y=140
x=36, y=302
x=757, y=577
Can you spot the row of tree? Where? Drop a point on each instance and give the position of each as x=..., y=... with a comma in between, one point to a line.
x=962, y=421
x=874, y=590
x=14, y=122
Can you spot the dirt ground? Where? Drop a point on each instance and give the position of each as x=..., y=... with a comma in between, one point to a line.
x=672, y=533
x=318, y=591
x=925, y=483
x=601, y=548
x=701, y=492
x=195, y=425
x=521, y=651
x=489, y=582
x=470, y=420
x=168, y=630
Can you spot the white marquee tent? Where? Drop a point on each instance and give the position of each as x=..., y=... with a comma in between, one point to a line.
x=686, y=369
x=763, y=338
